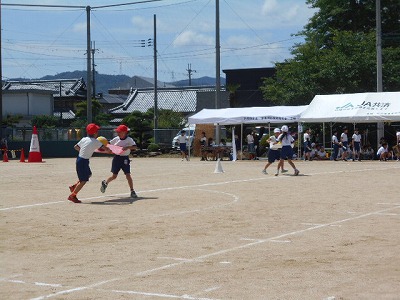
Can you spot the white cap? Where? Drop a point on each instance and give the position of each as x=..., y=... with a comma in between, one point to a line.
x=277, y=130
x=285, y=128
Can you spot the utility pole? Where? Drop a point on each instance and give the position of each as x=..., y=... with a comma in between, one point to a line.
x=217, y=67
x=88, y=71
x=190, y=71
x=93, y=70
x=1, y=79
x=379, y=86
x=155, y=81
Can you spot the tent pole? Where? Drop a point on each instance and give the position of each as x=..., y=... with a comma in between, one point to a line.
x=241, y=141
x=323, y=134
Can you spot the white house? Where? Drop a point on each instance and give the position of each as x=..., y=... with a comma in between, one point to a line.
x=28, y=102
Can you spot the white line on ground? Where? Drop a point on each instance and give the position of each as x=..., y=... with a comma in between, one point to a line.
x=74, y=289
x=186, y=187
x=160, y=295
x=258, y=242
x=316, y=224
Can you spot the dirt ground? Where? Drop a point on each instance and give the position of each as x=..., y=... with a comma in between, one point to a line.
x=330, y=233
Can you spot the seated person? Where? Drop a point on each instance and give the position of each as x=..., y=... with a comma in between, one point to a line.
x=383, y=153
x=396, y=151
x=321, y=153
x=367, y=152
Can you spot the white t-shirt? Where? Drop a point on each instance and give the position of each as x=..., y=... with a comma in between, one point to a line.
x=287, y=141
x=343, y=137
x=356, y=138
x=127, y=142
x=250, y=139
x=335, y=139
x=306, y=137
x=182, y=139
x=87, y=146
x=273, y=143
x=382, y=150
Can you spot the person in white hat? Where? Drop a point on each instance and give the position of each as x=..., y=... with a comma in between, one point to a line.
x=287, y=151
x=274, y=151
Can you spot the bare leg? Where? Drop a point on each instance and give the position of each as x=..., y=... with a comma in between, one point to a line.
x=111, y=178
x=130, y=181
x=78, y=187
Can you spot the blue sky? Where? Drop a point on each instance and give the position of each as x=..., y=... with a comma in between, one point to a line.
x=45, y=41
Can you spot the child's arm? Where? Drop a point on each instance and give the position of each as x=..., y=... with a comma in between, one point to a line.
x=133, y=147
x=77, y=148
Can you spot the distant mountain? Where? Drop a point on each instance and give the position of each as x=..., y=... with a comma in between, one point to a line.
x=107, y=82
x=202, y=81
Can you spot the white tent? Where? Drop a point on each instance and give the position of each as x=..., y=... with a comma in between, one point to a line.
x=248, y=115
x=353, y=108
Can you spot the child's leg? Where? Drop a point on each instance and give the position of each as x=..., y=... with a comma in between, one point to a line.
x=78, y=187
x=130, y=181
x=111, y=178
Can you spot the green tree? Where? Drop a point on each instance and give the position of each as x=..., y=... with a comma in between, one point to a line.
x=339, y=54
x=45, y=121
x=11, y=120
x=140, y=124
x=168, y=118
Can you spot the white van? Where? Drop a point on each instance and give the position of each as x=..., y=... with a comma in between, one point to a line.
x=189, y=133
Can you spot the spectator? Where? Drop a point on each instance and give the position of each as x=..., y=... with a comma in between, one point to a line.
x=345, y=143
x=321, y=154
x=307, y=144
x=203, y=146
x=250, y=145
x=356, y=143
x=335, y=145
x=383, y=153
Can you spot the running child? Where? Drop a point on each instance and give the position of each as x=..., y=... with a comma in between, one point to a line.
x=287, y=151
x=121, y=161
x=274, y=151
x=86, y=146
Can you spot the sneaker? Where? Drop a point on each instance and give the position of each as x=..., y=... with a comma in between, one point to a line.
x=74, y=199
x=72, y=187
x=284, y=171
x=264, y=172
x=133, y=194
x=103, y=186
x=277, y=173
x=296, y=172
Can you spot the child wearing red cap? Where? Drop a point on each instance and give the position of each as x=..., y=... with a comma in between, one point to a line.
x=86, y=146
x=121, y=161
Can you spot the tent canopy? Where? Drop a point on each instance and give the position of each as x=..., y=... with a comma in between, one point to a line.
x=248, y=115
x=349, y=108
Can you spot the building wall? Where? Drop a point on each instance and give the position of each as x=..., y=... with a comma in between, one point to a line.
x=27, y=104
x=207, y=100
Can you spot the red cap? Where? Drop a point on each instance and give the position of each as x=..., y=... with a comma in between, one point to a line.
x=92, y=128
x=122, y=128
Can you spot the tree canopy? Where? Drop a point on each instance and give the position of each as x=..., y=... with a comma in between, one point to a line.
x=339, y=53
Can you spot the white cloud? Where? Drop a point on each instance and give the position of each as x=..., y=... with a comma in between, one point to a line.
x=80, y=27
x=192, y=38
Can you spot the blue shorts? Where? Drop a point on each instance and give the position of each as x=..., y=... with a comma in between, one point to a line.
x=83, y=169
x=307, y=147
x=287, y=152
x=273, y=155
x=182, y=146
x=357, y=146
x=121, y=162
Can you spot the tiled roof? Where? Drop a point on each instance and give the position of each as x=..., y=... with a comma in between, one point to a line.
x=65, y=115
x=69, y=87
x=179, y=100
x=112, y=99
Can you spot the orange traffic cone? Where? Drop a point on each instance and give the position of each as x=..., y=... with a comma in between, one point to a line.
x=5, y=156
x=34, y=150
x=22, y=158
